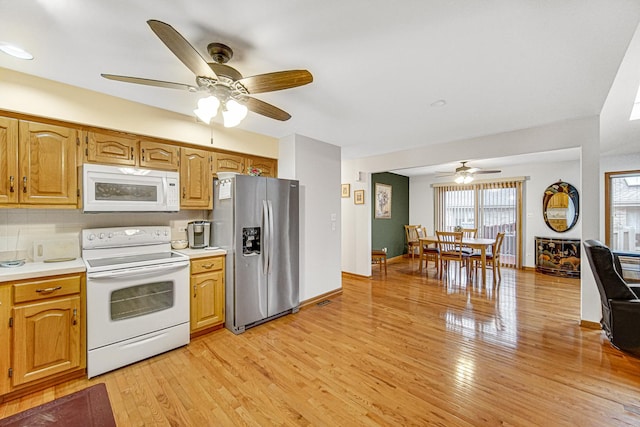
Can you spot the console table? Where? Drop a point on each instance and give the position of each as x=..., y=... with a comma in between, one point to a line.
x=560, y=257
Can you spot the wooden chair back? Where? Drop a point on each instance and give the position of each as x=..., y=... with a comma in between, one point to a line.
x=469, y=233
x=450, y=244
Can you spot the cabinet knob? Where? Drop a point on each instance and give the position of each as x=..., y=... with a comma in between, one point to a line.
x=194, y=290
x=24, y=184
x=11, y=183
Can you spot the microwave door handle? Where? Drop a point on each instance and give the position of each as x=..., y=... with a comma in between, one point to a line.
x=139, y=271
x=265, y=238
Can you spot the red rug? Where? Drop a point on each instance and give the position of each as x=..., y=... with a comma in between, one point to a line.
x=86, y=408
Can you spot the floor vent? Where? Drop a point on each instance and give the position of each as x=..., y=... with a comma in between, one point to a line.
x=325, y=302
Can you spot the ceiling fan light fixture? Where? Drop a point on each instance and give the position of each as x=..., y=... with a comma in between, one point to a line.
x=464, y=178
x=233, y=113
x=207, y=108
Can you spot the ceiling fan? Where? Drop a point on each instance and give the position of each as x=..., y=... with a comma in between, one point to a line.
x=465, y=174
x=228, y=90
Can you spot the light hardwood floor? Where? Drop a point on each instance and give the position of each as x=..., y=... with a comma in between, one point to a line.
x=405, y=349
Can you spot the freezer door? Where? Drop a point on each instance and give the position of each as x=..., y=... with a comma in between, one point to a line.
x=283, y=245
x=250, y=290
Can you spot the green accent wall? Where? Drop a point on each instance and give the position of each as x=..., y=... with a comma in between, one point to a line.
x=389, y=233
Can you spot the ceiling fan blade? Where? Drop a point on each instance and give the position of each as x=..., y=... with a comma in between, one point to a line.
x=486, y=171
x=276, y=81
x=266, y=109
x=150, y=82
x=182, y=49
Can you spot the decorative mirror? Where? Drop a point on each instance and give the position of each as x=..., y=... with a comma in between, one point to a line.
x=560, y=206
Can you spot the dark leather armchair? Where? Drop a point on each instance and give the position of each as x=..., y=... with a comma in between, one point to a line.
x=620, y=303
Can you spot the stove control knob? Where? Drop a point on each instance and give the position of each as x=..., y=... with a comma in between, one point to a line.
x=91, y=236
x=101, y=236
x=110, y=235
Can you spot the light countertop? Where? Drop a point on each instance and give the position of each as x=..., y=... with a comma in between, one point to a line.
x=32, y=270
x=201, y=253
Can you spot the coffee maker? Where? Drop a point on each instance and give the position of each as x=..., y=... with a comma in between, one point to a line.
x=198, y=233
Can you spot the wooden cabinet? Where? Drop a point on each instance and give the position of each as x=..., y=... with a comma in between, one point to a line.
x=207, y=294
x=267, y=166
x=125, y=150
x=225, y=162
x=8, y=160
x=37, y=164
x=195, y=179
x=45, y=339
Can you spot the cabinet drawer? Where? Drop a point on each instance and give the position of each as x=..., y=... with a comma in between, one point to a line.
x=46, y=288
x=206, y=264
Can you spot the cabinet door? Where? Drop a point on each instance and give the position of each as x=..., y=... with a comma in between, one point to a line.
x=156, y=155
x=267, y=166
x=228, y=163
x=9, y=160
x=47, y=164
x=195, y=179
x=207, y=300
x=110, y=149
x=46, y=339
x=5, y=337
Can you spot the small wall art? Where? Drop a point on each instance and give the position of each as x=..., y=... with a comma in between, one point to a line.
x=358, y=197
x=346, y=190
x=383, y=201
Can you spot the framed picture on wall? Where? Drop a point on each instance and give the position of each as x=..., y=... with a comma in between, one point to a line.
x=346, y=190
x=358, y=197
x=383, y=201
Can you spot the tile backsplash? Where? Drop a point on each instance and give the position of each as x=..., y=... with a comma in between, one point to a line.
x=20, y=227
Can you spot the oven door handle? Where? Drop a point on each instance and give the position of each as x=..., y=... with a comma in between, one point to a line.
x=139, y=271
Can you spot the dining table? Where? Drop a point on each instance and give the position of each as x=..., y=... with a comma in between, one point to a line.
x=471, y=242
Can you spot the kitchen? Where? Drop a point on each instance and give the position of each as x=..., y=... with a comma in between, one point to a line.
x=22, y=226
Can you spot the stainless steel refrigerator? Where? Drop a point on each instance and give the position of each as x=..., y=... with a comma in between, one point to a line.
x=255, y=219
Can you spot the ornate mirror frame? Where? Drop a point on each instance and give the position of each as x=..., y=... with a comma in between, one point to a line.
x=561, y=206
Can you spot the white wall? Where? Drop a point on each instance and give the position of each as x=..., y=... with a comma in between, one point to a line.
x=583, y=134
x=317, y=166
x=538, y=178
x=45, y=98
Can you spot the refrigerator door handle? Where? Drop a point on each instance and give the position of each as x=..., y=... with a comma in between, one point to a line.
x=266, y=237
x=271, y=239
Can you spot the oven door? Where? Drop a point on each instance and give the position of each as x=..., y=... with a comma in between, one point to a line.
x=127, y=303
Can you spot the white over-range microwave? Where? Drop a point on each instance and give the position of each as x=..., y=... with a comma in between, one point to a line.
x=125, y=189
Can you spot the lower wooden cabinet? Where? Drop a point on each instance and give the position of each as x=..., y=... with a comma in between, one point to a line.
x=207, y=294
x=45, y=335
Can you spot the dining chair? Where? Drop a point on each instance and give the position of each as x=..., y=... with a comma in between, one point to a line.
x=379, y=256
x=450, y=246
x=492, y=257
x=411, y=234
x=468, y=233
x=429, y=252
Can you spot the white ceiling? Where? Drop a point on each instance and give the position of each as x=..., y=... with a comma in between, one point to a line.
x=378, y=65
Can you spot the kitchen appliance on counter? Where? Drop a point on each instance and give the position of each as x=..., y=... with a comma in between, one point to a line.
x=255, y=219
x=126, y=189
x=137, y=295
x=198, y=233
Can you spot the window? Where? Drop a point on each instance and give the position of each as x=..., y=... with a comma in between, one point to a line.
x=491, y=207
x=622, y=212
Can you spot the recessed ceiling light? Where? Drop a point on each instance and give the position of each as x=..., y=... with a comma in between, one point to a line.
x=15, y=51
x=439, y=103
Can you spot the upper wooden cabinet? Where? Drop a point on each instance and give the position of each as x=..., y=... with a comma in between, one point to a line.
x=37, y=163
x=8, y=160
x=224, y=162
x=195, y=179
x=124, y=150
x=267, y=166
x=156, y=155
